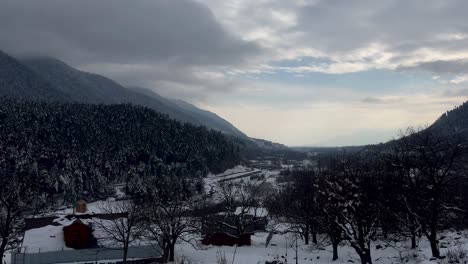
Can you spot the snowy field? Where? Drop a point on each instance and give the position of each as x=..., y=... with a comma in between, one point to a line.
x=282, y=247
x=239, y=173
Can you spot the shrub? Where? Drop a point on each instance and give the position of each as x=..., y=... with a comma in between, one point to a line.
x=457, y=255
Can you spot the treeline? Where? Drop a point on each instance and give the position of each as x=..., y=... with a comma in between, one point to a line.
x=77, y=150
x=413, y=188
x=455, y=119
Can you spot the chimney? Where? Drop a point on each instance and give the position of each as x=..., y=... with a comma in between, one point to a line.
x=81, y=207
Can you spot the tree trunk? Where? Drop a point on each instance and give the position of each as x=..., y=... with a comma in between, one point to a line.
x=413, y=240
x=434, y=246
x=165, y=256
x=366, y=257
x=5, y=234
x=314, y=236
x=433, y=229
x=171, y=252
x=125, y=253
x=2, y=249
x=306, y=237
x=414, y=231
x=335, y=249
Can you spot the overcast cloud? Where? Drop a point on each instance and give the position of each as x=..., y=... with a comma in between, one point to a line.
x=288, y=71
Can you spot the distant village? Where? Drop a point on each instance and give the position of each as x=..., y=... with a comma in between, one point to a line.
x=82, y=233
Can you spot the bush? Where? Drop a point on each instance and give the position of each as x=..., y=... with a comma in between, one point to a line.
x=457, y=255
x=410, y=257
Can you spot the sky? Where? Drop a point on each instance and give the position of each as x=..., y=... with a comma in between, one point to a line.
x=298, y=72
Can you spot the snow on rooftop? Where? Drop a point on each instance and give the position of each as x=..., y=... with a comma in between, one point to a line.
x=48, y=238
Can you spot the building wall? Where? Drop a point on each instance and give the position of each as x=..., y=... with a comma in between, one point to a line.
x=83, y=255
x=77, y=236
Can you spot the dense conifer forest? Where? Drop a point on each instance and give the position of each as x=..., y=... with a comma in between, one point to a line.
x=77, y=150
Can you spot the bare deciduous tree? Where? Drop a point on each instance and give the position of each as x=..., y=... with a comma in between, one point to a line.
x=18, y=197
x=170, y=206
x=296, y=204
x=432, y=162
x=121, y=223
x=352, y=190
x=242, y=206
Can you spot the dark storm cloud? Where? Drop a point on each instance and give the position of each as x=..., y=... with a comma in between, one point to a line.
x=119, y=31
x=169, y=79
x=442, y=67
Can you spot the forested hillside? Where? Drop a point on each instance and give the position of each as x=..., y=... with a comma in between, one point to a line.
x=17, y=80
x=455, y=119
x=77, y=150
x=88, y=87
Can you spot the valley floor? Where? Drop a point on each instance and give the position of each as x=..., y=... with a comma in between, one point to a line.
x=282, y=248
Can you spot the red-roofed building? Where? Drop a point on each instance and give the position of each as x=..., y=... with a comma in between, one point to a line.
x=77, y=235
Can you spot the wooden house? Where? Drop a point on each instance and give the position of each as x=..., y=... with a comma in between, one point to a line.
x=220, y=229
x=78, y=235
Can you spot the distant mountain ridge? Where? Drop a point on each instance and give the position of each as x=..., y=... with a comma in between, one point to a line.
x=18, y=80
x=203, y=116
x=45, y=78
x=450, y=122
x=92, y=88
x=455, y=119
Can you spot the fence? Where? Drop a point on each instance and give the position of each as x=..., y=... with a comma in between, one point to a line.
x=93, y=255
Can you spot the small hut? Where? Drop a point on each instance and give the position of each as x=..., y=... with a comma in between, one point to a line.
x=77, y=235
x=81, y=207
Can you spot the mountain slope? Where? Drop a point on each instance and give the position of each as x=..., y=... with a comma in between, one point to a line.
x=207, y=115
x=202, y=116
x=64, y=83
x=17, y=80
x=453, y=120
x=93, y=88
x=79, y=149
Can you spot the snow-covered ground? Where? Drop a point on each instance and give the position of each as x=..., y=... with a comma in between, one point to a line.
x=7, y=258
x=239, y=173
x=231, y=174
x=50, y=236
x=283, y=246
